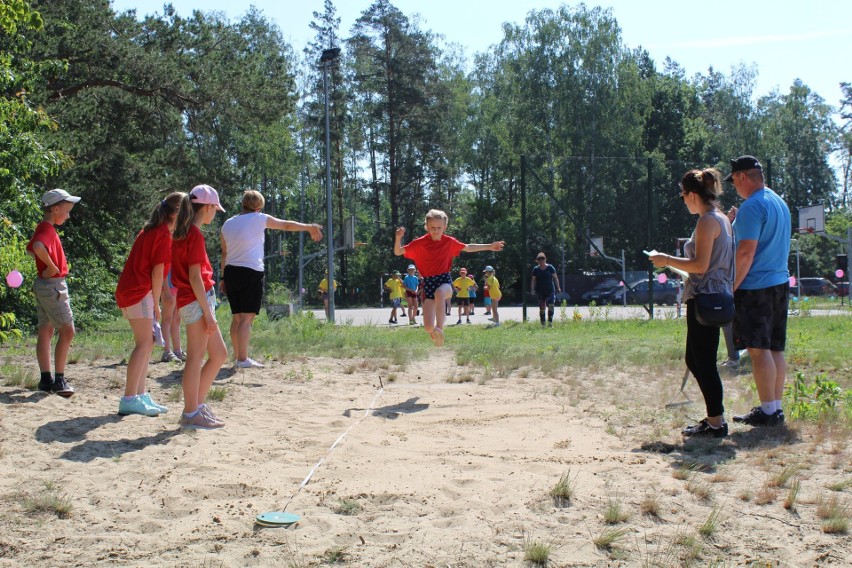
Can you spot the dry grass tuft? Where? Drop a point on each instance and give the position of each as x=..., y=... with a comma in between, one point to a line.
x=650, y=505
x=781, y=479
x=765, y=495
x=792, y=495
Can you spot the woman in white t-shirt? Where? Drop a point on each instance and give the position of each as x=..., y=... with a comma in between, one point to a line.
x=242, y=256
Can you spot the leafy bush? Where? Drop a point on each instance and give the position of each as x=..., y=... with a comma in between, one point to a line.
x=823, y=399
x=18, y=303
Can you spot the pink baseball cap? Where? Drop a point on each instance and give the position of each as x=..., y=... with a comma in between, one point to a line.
x=207, y=195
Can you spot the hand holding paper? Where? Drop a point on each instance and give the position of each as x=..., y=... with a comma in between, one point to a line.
x=684, y=274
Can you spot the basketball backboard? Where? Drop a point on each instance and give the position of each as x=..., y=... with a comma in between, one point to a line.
x=596, y=246
x=349, y=233
x=812, y=219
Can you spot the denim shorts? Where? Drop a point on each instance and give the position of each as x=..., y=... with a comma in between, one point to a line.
x=191, y=313
x=143, y=309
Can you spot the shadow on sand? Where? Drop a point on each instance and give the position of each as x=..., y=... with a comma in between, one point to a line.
x=393, y=411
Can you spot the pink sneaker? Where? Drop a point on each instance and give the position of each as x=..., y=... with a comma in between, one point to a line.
x=437, y=336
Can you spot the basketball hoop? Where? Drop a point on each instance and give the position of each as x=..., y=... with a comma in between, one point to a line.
x=812, y=220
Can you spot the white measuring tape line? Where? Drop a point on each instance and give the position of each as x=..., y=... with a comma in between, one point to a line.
x=334, y=445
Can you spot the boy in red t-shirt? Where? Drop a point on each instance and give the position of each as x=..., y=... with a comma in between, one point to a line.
x=51, y=291
x=433, y=253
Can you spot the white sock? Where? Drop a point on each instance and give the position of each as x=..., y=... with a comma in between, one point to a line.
x=768, y=408
x=777, y=405
x=191, y=414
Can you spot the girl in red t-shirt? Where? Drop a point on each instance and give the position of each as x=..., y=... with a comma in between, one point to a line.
x=433, y=253
x=138, y=296
x=192, y=275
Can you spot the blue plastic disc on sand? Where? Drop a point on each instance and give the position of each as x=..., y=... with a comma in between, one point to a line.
x=277, y=518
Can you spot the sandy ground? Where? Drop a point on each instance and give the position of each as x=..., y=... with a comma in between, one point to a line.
x=438, y=467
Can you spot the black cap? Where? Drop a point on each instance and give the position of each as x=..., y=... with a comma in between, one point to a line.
x=742, y=164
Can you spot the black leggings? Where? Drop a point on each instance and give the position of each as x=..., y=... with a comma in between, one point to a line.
x=702, y=344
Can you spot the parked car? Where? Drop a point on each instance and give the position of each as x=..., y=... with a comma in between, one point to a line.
x=594, y=294
x=664, y=294
x=815, y=287
x=563, y=297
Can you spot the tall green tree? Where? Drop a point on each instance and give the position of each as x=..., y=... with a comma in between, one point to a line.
x=798, y=137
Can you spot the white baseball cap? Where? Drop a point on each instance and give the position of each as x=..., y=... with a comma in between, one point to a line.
x=55, y=196
x=489, y=268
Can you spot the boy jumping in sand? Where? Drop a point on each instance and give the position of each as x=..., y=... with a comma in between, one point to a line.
x=433, y=253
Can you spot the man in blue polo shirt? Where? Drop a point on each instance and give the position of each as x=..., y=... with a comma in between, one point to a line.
x=761, y=286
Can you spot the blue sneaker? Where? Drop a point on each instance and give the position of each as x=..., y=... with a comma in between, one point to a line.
x=146, y=398
x=136, y=406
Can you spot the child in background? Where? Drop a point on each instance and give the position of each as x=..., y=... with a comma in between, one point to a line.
x=493, y=292
x=463, y=286
x=433, y=253
x=170, y=322
x=138, y=296
x=192, y=275
x=396, y=288
x=323, y=291
x=51, y=291
x=486, y=299
x=411, y=284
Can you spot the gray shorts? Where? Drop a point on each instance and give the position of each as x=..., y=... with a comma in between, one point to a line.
x=192, y=312
x=52, y=303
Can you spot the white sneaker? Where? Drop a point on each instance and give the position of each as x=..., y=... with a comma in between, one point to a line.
x=199, y=421
x=169, y=357
x=208, y=413
x=158, y=334
x=249, y=364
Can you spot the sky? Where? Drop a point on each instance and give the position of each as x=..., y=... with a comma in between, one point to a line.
x=785, y=39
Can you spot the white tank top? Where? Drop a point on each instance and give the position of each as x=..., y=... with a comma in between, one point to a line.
x=244, y=236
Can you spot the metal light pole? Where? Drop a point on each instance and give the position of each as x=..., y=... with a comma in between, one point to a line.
x=327, y=57
x=798, y=277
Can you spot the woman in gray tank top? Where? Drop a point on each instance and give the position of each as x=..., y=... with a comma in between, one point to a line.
x=709, y=260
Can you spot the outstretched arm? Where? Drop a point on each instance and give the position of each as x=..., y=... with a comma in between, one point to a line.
x=496, y=246
x=313, y=229
x=397, y=243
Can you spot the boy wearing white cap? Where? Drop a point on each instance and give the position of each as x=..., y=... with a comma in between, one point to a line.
x=51, y=291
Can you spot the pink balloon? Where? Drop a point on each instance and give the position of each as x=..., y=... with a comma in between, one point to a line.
x=621, y=283
x=838, y=273
x=14, y=279
x=792, y=282
x=662, y=278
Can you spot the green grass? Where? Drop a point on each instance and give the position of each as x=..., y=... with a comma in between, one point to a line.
x=562, y=492
x=48, y=501
x=610, y=536
x=711, y=524
x=217, y=394
x=614, y=513
x=536, y=553
x=347, y=507
x=17, y=376
x=815, y=345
